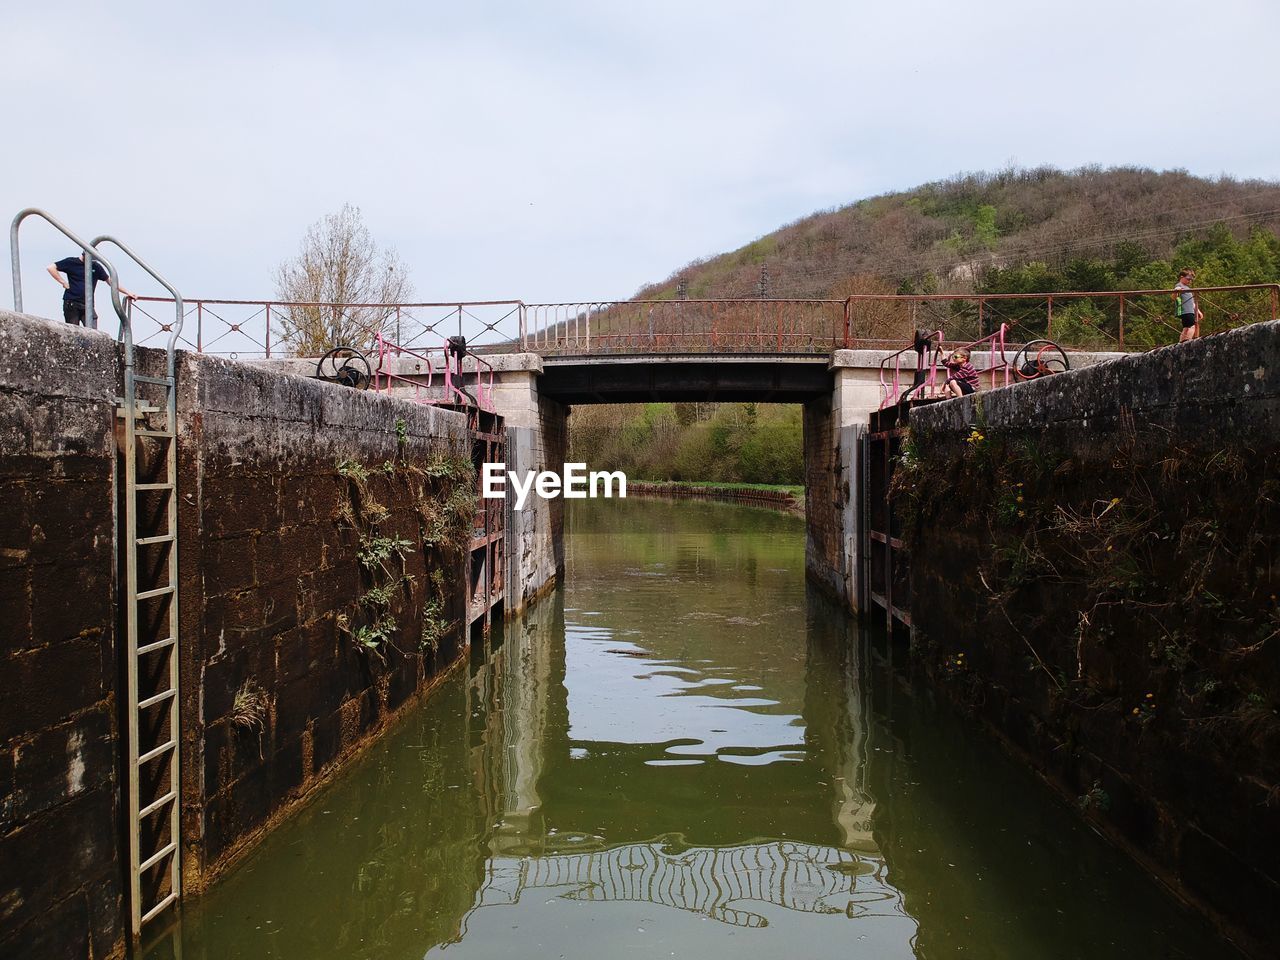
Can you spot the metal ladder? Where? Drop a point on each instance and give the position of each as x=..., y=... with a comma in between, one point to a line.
x=150, y=593
x=151, y=622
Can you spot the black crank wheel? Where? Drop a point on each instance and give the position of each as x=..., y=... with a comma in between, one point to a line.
x=346, y=366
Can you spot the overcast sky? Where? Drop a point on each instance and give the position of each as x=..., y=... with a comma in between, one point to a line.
x=574, y=150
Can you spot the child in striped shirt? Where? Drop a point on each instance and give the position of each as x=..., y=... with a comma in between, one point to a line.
x=962, y=377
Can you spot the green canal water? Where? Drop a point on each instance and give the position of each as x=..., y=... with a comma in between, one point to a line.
x=685, y=753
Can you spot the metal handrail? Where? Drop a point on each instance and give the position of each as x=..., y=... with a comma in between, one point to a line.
x=997, y=346
x=992, y=339
x=385, y=349
x=177, y=297
x=889, y=398
x=484, y=399
x=90, y=253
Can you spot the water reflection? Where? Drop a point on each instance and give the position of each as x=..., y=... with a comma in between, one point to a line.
x=683, y=753
x=652, y=748
x=701, y=880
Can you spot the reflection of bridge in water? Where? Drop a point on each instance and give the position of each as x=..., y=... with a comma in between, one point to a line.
x=521, y=699
x=705, y=880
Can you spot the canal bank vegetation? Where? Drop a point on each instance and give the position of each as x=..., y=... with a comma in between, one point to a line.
x=718, y=443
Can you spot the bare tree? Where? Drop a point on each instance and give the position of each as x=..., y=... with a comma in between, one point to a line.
x=339, y=264
x=874, y=319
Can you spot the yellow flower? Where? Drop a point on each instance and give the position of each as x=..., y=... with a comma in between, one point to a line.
x=1150, y=695
x=1019, y=498
x=1135, y=711
x=1108, y=548
x=1022, y=513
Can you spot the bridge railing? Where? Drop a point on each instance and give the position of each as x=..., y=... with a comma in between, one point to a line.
x=686, y=326
x=253, y=329
x=1122, y=320
x=1127, y=320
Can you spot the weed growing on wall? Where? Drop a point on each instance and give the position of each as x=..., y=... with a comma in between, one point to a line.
x=438, y=492
x=249, y=708
x=435, y=625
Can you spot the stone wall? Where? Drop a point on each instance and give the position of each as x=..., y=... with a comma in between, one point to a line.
x=833, y=427
x=823, y=499
x=274, y=509
x=278, y=480
x=1094, y=572
x=60, y=857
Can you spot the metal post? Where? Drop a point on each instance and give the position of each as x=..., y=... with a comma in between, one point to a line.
x=848, y=304
x=1275, y=301
x=888, y=536
x=15, y=266
x=268, y=331
x=90, y=318
x=1048, y=327
x=982, y=327
x=199, y=327
x=1121, y=321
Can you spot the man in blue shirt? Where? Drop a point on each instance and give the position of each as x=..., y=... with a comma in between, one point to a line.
x=69, y=271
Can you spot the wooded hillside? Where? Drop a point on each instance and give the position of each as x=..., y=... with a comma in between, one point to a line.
x=950, y=235
x=1016, y=231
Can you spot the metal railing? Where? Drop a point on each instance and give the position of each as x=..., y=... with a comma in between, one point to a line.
x=91, y=253
x=1115, y=320
x=924, y=375
x=925, y=381
x=414, y=388
x=250, y=329
x=686, y=326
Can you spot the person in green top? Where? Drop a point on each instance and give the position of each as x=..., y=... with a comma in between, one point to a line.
x=1188, y=310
